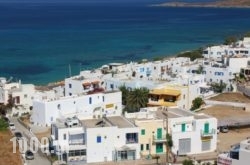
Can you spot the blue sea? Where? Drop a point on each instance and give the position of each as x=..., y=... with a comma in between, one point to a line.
x=38, y=41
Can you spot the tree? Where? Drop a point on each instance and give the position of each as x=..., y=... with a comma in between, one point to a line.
x=10, y=103
x=136, y=99
x=187, y=162
x=169, y=143
x=200, y=69
x=230, y=40
x=219, y=87
x=196, y=103
x=247, y=34
x=194, y=54
x=3, y=124
x=125, y=92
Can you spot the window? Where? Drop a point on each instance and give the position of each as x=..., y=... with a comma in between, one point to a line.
x=25, y=96
x=64, y=136
x=184, y=96
x=147, y=146
x=143, y=132
x=131, y=138
x=98, y=139
x=183, y=127
x=103, y=98
x=70, y=85
x=90, y=100
x=59, y=106
x=142, y=147
x=77, y=152
x=70, y=94
x=206, y=128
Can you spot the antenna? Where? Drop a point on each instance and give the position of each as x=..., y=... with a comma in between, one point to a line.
x=69, y=70
x=80, y=66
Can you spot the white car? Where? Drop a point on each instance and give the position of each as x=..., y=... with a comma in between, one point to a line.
x=224, y=129
x=12, y=126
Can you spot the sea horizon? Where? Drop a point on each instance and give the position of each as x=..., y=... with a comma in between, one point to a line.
x=38, y=42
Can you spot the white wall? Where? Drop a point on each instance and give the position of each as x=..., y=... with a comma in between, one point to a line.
x=74, y=105
x=26, y=94
x=96, y=152
x=115, y=138
x=193, y=131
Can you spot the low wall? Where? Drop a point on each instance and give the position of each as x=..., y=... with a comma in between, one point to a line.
x=234, y=104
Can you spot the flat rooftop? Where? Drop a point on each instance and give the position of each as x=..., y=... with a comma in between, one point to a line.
x=60, y=123
x=170, y=113
x=176, y=112
x=118, y=121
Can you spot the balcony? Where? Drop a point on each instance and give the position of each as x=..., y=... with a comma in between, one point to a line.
x=159, y=139
x=208, y=133
x=131, y=138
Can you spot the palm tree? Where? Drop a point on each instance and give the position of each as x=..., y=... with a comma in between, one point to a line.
x=137, y=99
x=125, y=92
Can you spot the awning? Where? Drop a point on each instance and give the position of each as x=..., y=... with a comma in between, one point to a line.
x=125, y=148
x=95, y=82
x=86, y=84
x=170, y=92
x=76, y=132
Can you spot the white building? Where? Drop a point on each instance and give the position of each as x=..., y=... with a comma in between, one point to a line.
x=89, y=106
x=239, y=155
x=191, y=133
x=79, y=84
x=21, y=94
x=241, y=47
x=68, y=142
x=97, y=140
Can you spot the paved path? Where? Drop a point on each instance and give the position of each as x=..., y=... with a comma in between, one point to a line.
x=40, y=158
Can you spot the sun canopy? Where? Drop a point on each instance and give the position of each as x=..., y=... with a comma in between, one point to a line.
x=170, y=92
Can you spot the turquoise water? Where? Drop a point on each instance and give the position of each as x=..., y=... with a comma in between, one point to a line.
x=38, y=42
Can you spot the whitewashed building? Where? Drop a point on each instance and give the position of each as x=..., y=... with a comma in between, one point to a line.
x=79, y=84
x=97, y=140
x=95, y=105
x=238, y=155
x=191, y=133
x=242, y=47
x=21, y=94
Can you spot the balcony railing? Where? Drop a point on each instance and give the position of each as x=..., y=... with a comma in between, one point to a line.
x=131, y=141
x=158, y=139
x=208, y=133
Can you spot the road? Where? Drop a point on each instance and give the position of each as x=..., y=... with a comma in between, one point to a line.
x=40, y=158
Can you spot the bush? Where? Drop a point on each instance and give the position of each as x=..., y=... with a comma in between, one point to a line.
x=194, y=54
x=3, y=125
x=196, y=103
x=187, y=162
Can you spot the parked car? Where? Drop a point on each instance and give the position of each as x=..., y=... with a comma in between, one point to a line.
x=224, y=129
x=18, y=135
x=29, y=155
x=12, y=126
